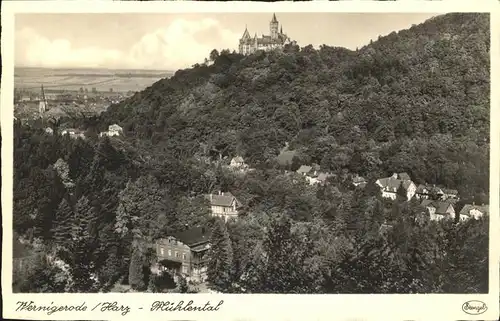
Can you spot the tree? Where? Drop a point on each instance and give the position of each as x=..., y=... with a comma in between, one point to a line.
x=220, y=257
x=214, y=54
x=63, y=223
x=136, y=273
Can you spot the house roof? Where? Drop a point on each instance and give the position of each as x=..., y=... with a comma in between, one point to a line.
x=304, y=169
x=404, y=176
x=323, y=176
x=194, y=236
x=384, y=227
x=450, y=191
x=115, y=127
x=222, y=200
x=440, y=206
x=237, y=159
x=358, y=179
x=427, y=189
x=485, y=209
x=390, y=184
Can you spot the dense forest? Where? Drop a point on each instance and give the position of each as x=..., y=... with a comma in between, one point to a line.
x=414, y=101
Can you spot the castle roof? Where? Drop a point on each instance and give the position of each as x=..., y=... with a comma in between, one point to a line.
x=274, y=18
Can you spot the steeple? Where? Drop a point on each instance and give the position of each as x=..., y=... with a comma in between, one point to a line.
x=281, y=29
x=274, y=18
x=43, y=94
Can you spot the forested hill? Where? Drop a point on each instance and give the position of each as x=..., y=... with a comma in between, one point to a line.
x=414, y=101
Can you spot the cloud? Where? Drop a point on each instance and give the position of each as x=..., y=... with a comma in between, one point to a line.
x=181, y=44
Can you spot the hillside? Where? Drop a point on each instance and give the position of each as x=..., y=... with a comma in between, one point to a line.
x=423, y=91
x=416, y=101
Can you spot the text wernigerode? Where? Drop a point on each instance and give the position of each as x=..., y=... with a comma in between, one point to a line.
x=172, y=306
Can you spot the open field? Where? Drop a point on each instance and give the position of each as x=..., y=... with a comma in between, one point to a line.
x=74, y=79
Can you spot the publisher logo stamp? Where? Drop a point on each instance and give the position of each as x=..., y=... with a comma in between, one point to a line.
x=474, y=307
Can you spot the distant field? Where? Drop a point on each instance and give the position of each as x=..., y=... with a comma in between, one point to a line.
x=74, y=79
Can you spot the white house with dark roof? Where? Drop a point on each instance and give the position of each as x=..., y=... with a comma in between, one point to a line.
x=439, y=210
x=223, y=205
x=389, y=186
x=238, y=163
x=474, y=211
x=113, y=130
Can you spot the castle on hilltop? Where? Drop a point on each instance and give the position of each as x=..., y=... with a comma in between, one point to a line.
x=275, y=40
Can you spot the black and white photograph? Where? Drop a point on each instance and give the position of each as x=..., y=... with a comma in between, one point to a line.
x=263, y=152
x=249, y=153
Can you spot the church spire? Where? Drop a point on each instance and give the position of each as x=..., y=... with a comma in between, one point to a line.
x=281, y=29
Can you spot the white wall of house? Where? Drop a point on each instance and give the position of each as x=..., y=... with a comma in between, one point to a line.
x=475, y=213
x=390, y=195
x=225, y=212
x=410, y=192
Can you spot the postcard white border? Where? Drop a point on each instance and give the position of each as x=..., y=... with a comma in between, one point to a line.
x=257, y=306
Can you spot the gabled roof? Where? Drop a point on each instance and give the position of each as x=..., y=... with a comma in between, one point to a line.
x=440, y=206
x=194, y=236
x=404, y=176
x=237, y=159
x=304, y=169
x=246, y=34
x=225, y=200
x=390, y=184
x=485, y=209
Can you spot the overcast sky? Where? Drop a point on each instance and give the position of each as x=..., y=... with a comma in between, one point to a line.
x=173, y=41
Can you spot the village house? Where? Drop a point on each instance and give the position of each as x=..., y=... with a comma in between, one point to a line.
x=439, y=210
x=312, y=174
x=450, y=194
x=73, y=133
x=223, y=205
x=184, y=254
x=323, y=177
x=113, y=130
x=304, y=170
x=238, y=163
x=359, y=181
x=473, y=211
x=389, y=186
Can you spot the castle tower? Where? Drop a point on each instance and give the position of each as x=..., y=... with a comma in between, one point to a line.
x=243, y=46
x=273, y=27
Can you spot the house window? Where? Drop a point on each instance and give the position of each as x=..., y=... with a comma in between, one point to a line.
x=184, y=256
x=176, y=254
x=169, y=252
x=184, y=269
x=161, y=250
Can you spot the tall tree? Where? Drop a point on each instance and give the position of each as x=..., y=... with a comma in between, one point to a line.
x=220, y=257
